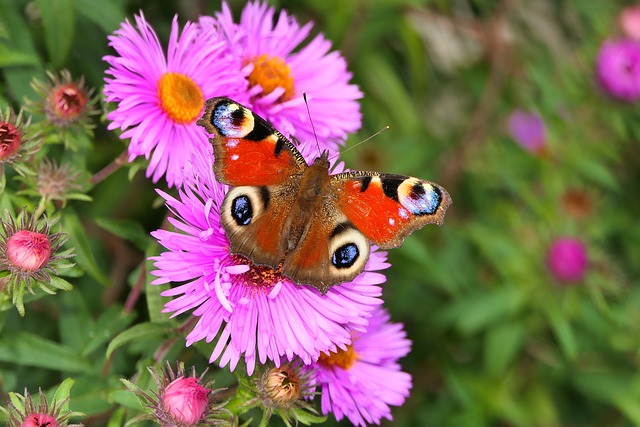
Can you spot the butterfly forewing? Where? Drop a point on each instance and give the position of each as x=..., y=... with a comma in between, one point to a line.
x=386, y=208
x=247, y=149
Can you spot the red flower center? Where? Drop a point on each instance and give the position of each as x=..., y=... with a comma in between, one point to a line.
x=68, y=101
x=9, y=140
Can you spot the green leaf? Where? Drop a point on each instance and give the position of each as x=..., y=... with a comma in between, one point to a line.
x=130, y=231
x=106, y=327
x=502, y=345
x=107, y=14
x=27, y=349
x=13, y=58
x=63, y=392
x=117, y=418
x=77, y=238
x=563, y=332
x=58, y=20
x=139, y=332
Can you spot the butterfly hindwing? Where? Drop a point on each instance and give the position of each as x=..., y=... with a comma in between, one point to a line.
x=386, y=208
x=247, y=149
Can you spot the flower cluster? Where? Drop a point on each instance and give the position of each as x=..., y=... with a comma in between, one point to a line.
x=618, y=62
x=262, y=65
x=285, y=335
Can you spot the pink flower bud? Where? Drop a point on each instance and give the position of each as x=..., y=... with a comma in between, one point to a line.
x=9, y=140
x=630, y=22
x=28, y=250
x=567, y=259
x=185, y=400
x=39, y=420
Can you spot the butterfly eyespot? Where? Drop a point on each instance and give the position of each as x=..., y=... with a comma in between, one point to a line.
x=232, y=120
x=345, y=256
x=241, y=210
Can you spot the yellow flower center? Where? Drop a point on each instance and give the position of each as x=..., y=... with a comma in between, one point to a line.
x=180, y=97
x=343, y=358
x=271, y=73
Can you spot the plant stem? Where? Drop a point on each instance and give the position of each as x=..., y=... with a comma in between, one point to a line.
x=110, y=168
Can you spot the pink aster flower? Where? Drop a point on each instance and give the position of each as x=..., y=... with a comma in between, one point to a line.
x=160, y=98
x=364, y=380
x=258, y=314
x=618, y=69
x=528, y=130
x=279, y=68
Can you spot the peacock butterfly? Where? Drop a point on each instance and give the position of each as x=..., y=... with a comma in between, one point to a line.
x=314, y=227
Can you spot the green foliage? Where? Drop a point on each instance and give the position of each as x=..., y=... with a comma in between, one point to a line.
x=497, y=340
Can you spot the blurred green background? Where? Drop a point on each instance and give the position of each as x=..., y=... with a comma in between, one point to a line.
x=497, y=340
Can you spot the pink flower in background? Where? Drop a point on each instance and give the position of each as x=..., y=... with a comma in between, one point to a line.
x=364, y=380
x=160, y=98
x=279, y=68
x=567, y=259
x=618, y=69
x=629, y=21
x=528, y=130
x=255, y=313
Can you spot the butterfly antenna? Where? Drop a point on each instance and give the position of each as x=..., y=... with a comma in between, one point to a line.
x=362, y=142
x=306, y=103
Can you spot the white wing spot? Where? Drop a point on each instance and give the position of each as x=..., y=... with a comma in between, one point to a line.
x=235, y=157
x=232, y=143
x=392, y=221
x=403, y=213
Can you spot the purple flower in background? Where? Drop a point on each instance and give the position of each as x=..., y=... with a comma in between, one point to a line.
x=362, y=381
x=528, y=130
x=160, y=98
x=567, y=259
x=279, y=68
x=618, y=69
x=255, y=313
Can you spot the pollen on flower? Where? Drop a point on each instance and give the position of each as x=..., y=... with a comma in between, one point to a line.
x=342, y=358
x=259, y=278
x=271, y=72
x=180, y=97
x=28, y=250
x=9, y=140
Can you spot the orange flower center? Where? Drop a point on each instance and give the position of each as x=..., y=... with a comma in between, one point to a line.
x=271, y=73
x=342, y=358
x=180, y=97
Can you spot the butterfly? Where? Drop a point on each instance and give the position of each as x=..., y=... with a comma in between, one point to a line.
x=296, y=218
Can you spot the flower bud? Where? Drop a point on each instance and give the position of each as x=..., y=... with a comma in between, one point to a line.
x=567, y=260
x=9, y=140
x=39, y=420
x=186, y=400
x=28, y=250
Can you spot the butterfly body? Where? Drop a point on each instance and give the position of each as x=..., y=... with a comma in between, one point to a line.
x=313, y=226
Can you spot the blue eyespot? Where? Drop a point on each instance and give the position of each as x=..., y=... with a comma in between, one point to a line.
x=241, y=210
x=345, y=256
x=230, y=120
